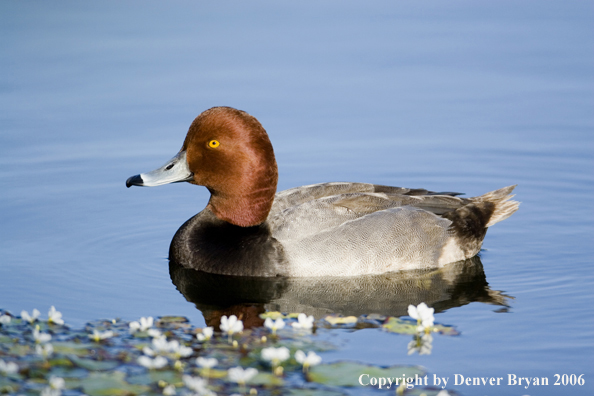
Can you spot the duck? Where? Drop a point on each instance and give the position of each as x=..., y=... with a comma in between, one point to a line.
x=248, y=229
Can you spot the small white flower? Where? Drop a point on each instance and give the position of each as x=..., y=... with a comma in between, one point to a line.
x=50, y=392
x=41, y=338
x=4, y=319
x=423, y=315
x=206, y=363
x=196, y=384
x=241, y=376
x=143, y=325
x=44, y=350
x=303, y=322
x=154, y=333
x=8, y=367
x=156, y=363
x=98, y=336
x=311, y=359
x=54, y=316
x=231, y=325
x=443, y=392
x=274, y=325
x=181, y=351
x=169, y=390
x=30, y=318
x=148, y=351
x=57, y=383
x=275, y=355
x=160, y=344
x=206, y=334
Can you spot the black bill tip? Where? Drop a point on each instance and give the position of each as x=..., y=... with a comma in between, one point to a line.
x=135, y=180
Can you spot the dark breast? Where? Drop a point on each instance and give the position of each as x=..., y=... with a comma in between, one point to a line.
x=206, y=243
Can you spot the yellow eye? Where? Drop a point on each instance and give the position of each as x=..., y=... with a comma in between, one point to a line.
x=213, y=144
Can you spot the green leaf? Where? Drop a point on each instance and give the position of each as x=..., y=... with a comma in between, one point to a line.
x=266, y=379
x=348, y=373
x=154, y=376
x=340, y=320
x=313, y=392
x=110, y=384
x=94, y=365
x=72, y=348
x=402, y=326
x=8, y=386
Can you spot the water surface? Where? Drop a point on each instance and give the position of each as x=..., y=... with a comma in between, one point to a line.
x=460, y=96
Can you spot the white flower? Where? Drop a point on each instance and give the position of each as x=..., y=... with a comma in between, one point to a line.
x=181, y=351
x=421, y=345
x=169, y=390
x=443, y=392
x=423, y=315
x=8, y=367
x=162, y=346
x=4, y=319
x=154, y=333
x=41, y=338
x=143, y=325
x=196, y=384
x=30, y=318
x=156, y=363
x=275, y=355
x=241, y=376
x=206, y=363
x=44, y=350
x=303, y=322
x=206, y=334
x=231, y=325
x=50, y=392
x=274, y=325
x=54, y=316
x=311, y=359
x=57, y=382
x=99, y=336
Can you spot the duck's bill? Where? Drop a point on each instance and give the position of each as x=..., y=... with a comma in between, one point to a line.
x=175, y=170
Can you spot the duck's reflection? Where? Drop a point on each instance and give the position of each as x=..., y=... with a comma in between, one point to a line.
x=389, y=294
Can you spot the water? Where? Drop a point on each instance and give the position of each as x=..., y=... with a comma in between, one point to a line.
x=456, y=96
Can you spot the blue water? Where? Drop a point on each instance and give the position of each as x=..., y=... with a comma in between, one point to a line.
x=458, y=96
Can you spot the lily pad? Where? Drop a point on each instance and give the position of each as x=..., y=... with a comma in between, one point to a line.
x=348, y=373
x=72, y=348
x=276, y=315
x=266, y=379
x=153, y=376
x=314, y=392
x=110, y=384
x=173, y=319
x=8, y=386
x=403, y=326
x=336, y=320
x=94, y=365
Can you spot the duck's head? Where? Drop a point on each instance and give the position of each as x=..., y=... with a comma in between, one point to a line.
x=227, y=151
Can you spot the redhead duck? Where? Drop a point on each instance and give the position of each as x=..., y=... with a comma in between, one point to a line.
x=328, y=229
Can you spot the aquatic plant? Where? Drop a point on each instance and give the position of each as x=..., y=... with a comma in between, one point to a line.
x=166, y=356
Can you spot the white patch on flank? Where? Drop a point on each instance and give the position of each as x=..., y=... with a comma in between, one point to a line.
x=450, y=252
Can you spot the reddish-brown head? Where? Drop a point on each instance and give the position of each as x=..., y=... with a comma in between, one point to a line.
x=228, y=151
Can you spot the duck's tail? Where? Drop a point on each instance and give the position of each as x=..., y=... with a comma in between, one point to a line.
x=502, y=206
x=470, y=222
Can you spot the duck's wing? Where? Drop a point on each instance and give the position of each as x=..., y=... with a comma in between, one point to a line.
x=310, y=210
x=298, y=195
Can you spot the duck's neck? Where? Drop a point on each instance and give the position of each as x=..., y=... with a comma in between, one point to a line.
x=246, y=207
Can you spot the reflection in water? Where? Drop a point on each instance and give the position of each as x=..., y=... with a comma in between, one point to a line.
x=389, y=294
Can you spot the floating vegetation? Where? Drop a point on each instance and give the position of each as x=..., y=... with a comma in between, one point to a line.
x=169, y=356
